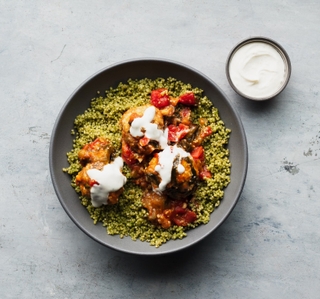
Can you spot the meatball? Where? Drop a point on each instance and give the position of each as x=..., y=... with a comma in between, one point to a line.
x=84, y=181
x=99, y=150
x=95, y=155
x=141, y=146
x=182, y=183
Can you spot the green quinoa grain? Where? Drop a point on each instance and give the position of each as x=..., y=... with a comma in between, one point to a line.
x=128, y=217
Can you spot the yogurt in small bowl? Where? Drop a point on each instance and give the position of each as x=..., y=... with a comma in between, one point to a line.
x=258, y=68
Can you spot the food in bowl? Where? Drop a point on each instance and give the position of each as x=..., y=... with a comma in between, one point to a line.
x=167, y=145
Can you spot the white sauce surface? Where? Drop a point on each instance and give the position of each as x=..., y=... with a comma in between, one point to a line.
x=257, y=70
x=151, y=130
x=110, y=179
x=165, y=164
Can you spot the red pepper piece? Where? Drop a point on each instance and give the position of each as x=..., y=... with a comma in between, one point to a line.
x=176, y=133
x=188, y=99
x=93, y=182
x=144, y=141
x=183, y=216
x=198, y=153
x=205, y=173
x=160, y=98
x=127, y=154
x=205, y=132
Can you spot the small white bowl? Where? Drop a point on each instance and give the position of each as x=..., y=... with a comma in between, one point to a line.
x=258, y=68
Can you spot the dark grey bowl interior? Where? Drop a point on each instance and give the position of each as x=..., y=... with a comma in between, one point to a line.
x=61, y=143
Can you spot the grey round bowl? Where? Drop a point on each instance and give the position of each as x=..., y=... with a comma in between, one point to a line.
x=61, y=143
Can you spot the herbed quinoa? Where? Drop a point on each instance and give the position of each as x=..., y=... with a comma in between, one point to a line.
x=128, y=217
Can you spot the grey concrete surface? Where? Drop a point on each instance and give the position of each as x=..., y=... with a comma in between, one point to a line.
x=269, y=247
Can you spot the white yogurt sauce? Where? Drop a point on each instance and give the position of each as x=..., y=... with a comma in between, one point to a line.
x=257, y=70
x=109, y=179
x=151, y=130
x=165, y=164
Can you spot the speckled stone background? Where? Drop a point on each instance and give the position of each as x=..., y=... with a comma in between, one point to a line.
x=269, y=247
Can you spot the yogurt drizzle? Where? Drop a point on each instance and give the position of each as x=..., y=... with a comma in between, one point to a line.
x=144, y=123
x=165, y=164
x=109, y=179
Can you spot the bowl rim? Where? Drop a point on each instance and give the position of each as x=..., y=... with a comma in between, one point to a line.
x=242, y=175
x=283, y=53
